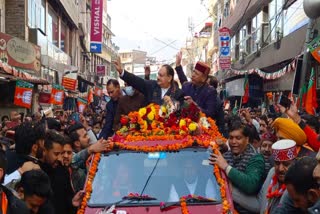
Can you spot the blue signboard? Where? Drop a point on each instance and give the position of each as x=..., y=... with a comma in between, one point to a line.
x=95, y=47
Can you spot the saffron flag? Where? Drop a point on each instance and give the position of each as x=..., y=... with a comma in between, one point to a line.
x=311, y=96
x=314, y=48
x=57, y=95
x=90, y=96
x=23, y=94
x=82, y=103
x=245, y=97
x=98, y=91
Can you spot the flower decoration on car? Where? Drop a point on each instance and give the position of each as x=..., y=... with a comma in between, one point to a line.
x=154, y=122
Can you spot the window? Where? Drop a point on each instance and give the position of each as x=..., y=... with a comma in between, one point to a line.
x=63, y=35
x=43, y=16
x=37, y=14
x=294, y=17
x=53, y=30
x=275, y=18
x=255, y=31
x=242, y=38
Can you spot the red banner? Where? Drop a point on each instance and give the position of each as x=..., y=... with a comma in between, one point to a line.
x=57, y=95
x=69, y=84
x=23, y=94
x=44, y=98
x=96, y=20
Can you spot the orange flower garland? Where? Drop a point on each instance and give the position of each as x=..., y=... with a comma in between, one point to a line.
x=88, y=187
x=222, y=184
x=183, y=204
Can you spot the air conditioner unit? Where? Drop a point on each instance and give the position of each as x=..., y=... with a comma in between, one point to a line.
x=265, y=37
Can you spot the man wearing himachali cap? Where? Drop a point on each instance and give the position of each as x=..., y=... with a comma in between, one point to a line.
x=198, y=90
x=284, y=153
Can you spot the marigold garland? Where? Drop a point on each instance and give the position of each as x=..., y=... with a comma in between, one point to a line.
x=183, y=204
x=222, y=184
x=88, y=188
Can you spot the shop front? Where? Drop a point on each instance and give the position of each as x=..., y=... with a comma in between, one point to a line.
x=20, y=61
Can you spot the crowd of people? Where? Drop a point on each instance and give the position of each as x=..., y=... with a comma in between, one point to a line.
x=270, y=161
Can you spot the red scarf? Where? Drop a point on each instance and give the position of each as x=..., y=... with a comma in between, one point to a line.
x=275, y=194
x=278, y=192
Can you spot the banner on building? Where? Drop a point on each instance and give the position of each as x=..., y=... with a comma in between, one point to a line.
x=96, y=26
x=69, y=84
x=44, y=98
x=314, y=48
x=23, y=94
x=224, y=49
x=82, y=103
x=19, y=53
x=101, y=70
x=57, y=95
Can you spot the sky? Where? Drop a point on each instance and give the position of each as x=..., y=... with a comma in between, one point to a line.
x=159, y=27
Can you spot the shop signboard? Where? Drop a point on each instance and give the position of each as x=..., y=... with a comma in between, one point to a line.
x=69, y=83
x=101, y=70
x=224, y=48
x=96, y=26
x=20, y=54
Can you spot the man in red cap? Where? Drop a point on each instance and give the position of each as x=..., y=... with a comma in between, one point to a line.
x=284, y=153
x=199, y=91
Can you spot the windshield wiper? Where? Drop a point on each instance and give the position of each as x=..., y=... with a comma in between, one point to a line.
x=189, y=199
x=138, y=197
x=131, y=198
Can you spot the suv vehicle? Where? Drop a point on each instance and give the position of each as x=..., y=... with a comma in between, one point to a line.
x=158, y=163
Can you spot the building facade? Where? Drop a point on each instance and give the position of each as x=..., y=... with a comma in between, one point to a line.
x=60, y=30
x=267, y=39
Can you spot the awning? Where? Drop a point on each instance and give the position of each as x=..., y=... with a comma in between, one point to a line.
x=14, y=78
x=12, y=74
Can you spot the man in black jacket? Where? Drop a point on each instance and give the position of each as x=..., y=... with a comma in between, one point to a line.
x=153, y=90
x=9, y=203
x=113, y=88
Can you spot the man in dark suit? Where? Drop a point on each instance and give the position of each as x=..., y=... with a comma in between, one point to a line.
x=10, y=203
x=114, y=91
x=153, y=90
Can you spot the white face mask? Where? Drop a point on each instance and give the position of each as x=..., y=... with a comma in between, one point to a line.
x=128, y=90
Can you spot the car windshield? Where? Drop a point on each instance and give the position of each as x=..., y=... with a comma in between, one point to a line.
x=175, y=174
